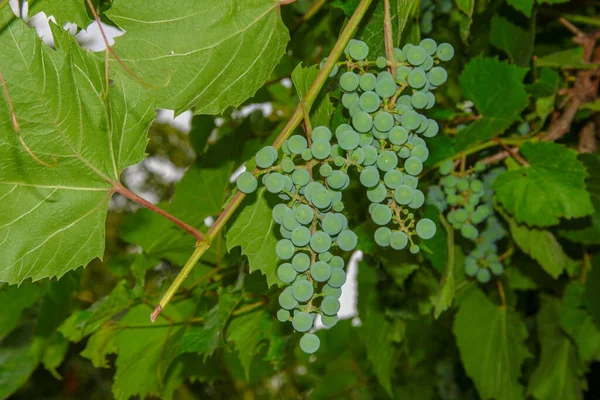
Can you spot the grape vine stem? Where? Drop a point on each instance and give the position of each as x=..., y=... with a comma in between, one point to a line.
x=388, y=40
x=292, y=124
x=449, y=272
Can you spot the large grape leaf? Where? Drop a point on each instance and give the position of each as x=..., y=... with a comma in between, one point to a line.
x=490, y=339
x=254, y=230
x=515, y=40
x=551, y=187
x=204, y=55
x=499, y=105
x=524, y=6
x=63, y=11
x=557, y=375
x=53, y=217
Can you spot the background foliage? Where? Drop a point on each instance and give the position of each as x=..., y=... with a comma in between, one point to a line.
x=424, y=330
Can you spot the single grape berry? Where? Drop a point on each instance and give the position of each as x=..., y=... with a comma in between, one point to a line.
x=287, y=300
x=330, y=305
x=437, y=76
x=266, y=157
x=347, y=240
x=286, y=273
x=300, y=236
x=417, y=78
x=398, y=240
x=410, y=120
x=429, y=45
x=358, y=50
x=419, y=100
x=413, y=166
x=337, y=278
x=393, y=178
x=381, y=214
x=362, y=122
x=349, y=99
x=382, y=236
x=246, y=182
x=310, y=343
x=377, y=194
x=301, y=262
x=426, y=228
x=321, y=133
x=302, y=290
x=320, y=149
x=385, y=88
x=300, y=177
x=367, y=81
x=383, y=121
x=332, y=224
x=369, y=101
x=398, y=135
x=283, y=315
x=432, y=128
x=320, y=242
x=416, y=55
x=404, y=194
x=483, y=275
x=381, y=62
x=369, y=177
x=445, y=52
x=285, y=249
x=320, y=271
x=349, y=81
x=329, y=321
x=302, y=321
x=387, y=160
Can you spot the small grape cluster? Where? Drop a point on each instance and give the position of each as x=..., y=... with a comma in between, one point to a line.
x=310, y=173
x=468, y=201
x=432, y=8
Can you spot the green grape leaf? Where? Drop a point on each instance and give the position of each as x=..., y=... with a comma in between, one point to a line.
x=64, y=118
x=557, y=375
x=565, y=59
x=552, y=1
x=146, y=351
x=74, y=11
x=55, y=353
x=513, y=39
x=466, y=18
x=233, y=50
x=254, y=231
x=478, y=83
x=17, y=363
x=436, y=248
x=490, y=339
x=323, y=109
x=99, y=345
x=590, y=234
x=371, y=29
x=348, y=6
x=579, y=324
x=525, y=6
x=592, y=289
x=554, y=178
x=15, y=300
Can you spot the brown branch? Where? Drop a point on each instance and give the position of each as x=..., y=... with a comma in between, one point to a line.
x=495, y=158
x=587, y=139
x=514, y=153
x=143, y=202
x=388, y=38
x=501, y=292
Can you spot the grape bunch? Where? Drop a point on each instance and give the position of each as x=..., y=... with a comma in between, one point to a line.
x=383, y=141
x=468, y=201
x=431, y=8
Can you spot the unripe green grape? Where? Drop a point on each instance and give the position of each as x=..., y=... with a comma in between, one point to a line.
x=366, y=139
x=297, y=144
x=341, y=128
x=423, y=125
x=266, y=157
x=347, y=240
x=274, y=182
x=414, y=249
x=300, y=177
x=358, y=156
x=333, y=72
x=420, y=151
x=303, y=214
x=432, y=128
x=330, y=305
x=377, y=194
x=337, y=278
x=349, y=81
x=339, y=161
x=450, y=181
x=286, y=273
x=320, y=149
x=471, y=267
x=483, y=275
x=381, y=62
x=349, y=99
x=382, y=236
x=358, y=50
x=381, y=214
x=285, y=249
x=287, y=300
x=387, y=160
x=476, y=186
x=393, y=178
x=321, y=133
x=416, y=55
x=407, y=47
x=429, y=45
x=369, y=101
x=302, y=321
x=427, y=64
x=301, y=262
x=331, y=224
x=300, y=236
x=411, y=120
x=362, y=122
x=306, y=155
x=354, y=109
x=430, y=100
x=322, y=199
x=386, y=88
x=469, y=231
x=497, y=268
x=349, y=140
x=437, y=76
x=329, y=321
x=399, y=55
x=325, y=256
x=411, y=181
x=367, y=81
x=445, y=52
x=398, y=240
x=337, y=179
x=460, y=215
x=302, y=290
x=369, y=177
x=283, y=315
x=310, y=343
x=325, y=170
x=284, y=232
x=419, y=100
x=398, y=135
x=279, y=212
x=462, y=184
x=417, y=78
x=320, y=242
x=370, y=155
x=380, y=135
x=287, y=165
x=338, y=206
x=426, y=228
x=418, y=200
x=413, y=166
x=404, y=195
x=384, y=75
x=246, y=182
x=402, y=73
x=336, y=262
x=479, y=166
x=289, y=221
x=383, y=121
x=320, y=271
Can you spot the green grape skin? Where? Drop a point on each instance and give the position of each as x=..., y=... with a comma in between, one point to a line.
x=266, y=157
x=331, y=224
x=369, y=101
x=297, y=144
x=284, y=232
x=301, y=262
x=471, y=267
x=404, y=152
x=377, y=194
x=325, y=256
x=413, y=166
x=369, y=177
x=347, y=240
x=387, y=160
x=445, y=52
x=321, y=133
x=337, y=179
x=274, y=182
x=469, y=232
x=320, y=242
x=349, y=140
x=411, y=120
x=370, y=155
x=300, y=177
x=349, y=81
x=349, y=99
x=354, y=109
x=460, y=215
x=286, y=273
x=285, y=249
x=300, y=236
x=483, y=275
x=393, y=178
x=246, y=182
x=419, y=100
x=421, y=152
x=303, y=290
x=411, y=181
x=416, y=55
x=496, y=268
x=329, y=290
x=427, y=64
x=429, y=45
x=398, y=240
x=382, y=236
x=287, y=300
x=279, y=212
x=283, y=315
x=329, y=321
x=322, y=199
x=432, y=129
x=362, y=122
x=450, y=181
x=306, y=155
x=476, y=186
x=310, y=343
x=423, y=125
x=341, y=128
x=384, y=75
x=338, y=161
x=366, y=139
x=381, y=214
x=398, y=135
x=320, y=271
x=406, y=47
x=402, y=73
x=338, y=206
x=302, y=321
x=430, y=100
x=320, y=149
x=358, y=156
x=437, y=76
x=287, y=166
x=404, y=194
x=417, y=78
x=426, y=228
x=289, y=220
x=399, y=55
x=330, y=305
x=377, y=134
x=358, y=50
x=381, y=62
x=385, y=88
x=337, y=278
x=418, y=200
x=325, y=170
x=367, y=81
x=383, y=121
x=303, y=214
x=336, y=262
x=414, y=249
x=333, y=72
